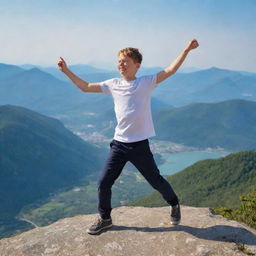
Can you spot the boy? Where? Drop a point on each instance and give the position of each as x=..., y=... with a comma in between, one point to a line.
x=131, y=97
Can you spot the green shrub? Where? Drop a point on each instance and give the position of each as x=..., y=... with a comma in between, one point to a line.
x=246, y=213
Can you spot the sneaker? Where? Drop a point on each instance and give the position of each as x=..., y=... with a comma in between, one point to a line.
x=99, y=225
x=175, y=214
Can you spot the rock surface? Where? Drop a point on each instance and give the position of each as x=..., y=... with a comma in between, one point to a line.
x=137, y=231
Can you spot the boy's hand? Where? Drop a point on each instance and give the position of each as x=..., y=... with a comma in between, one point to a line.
x=193, y=44
x=62, y=65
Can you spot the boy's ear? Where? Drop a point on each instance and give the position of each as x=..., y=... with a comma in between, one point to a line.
x=138, y=65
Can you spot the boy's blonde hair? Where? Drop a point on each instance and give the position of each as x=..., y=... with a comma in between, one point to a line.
x=133, y=53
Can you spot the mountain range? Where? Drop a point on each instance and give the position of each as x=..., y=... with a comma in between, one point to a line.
x=206, y=86
x=43, y=92
x=229, y=125
x=35, y=90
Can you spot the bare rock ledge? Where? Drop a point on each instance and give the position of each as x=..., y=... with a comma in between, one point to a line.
x=137, y=231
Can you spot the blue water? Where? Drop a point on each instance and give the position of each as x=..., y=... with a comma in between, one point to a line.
x=178, y=161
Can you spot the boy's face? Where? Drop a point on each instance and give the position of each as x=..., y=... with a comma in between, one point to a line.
x=126, y=66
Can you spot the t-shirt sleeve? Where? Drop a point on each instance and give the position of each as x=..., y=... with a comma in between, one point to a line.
x=106, y=86
x=150, y=80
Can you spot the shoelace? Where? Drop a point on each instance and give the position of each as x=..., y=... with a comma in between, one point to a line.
x=97, y=222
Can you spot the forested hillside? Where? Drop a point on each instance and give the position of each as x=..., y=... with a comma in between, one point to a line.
x=211, y=183
x=230, y=124
x=39, y=156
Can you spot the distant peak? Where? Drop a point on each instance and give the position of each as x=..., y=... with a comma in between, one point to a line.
x=215, y=68
x=3, y=65
x=39, y=72
x=35, y=69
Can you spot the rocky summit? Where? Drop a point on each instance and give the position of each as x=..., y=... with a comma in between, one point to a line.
x=137, y=231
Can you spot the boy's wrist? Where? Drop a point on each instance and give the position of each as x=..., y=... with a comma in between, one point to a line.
x=186, y=50
x=65, y=70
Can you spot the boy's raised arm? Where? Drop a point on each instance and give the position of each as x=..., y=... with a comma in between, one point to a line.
x=170, y=70
x=81, y=84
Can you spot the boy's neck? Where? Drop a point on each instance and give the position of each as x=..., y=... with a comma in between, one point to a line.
x=129, y=78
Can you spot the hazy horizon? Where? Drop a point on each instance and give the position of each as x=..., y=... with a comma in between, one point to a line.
x=182, y=69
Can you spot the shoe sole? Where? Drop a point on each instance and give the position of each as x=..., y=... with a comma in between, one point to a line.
x=98, y=231
x=175, y=222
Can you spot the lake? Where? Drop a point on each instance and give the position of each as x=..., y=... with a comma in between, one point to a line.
x=178, y=161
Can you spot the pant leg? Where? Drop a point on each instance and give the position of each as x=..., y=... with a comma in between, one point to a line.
x=110, y=172
x=142, y=158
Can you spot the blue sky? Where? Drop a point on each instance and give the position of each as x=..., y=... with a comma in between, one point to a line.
x=92, y=31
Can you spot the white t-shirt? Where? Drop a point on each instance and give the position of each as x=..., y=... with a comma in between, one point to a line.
x=132, y=107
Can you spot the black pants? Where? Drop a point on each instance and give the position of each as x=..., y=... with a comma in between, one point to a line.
x=139, y=154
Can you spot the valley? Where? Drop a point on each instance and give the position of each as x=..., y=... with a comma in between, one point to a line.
x=54, y=138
